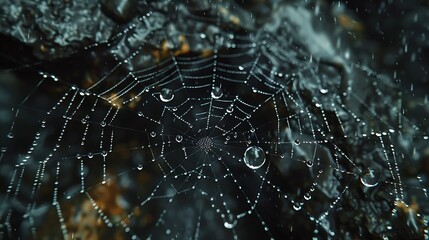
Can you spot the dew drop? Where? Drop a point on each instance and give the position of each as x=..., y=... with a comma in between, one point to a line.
x=103, y=123
x=297, y=142
x=166, y=95
x=78, y=156
x=230, y=109
x=90, y=155
x=104, y=153
x=297, y=206
x=83, y=121
x=307, y=196
x=323, y=91
x=10, y=135
x=241, y=68
x=370, y=177
x=230, y=221
x=179, y=138
x=153, y=134
x=216, y=93
x=254, y=157
x=139, y=167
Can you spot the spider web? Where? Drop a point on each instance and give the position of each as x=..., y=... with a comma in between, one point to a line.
x=244, y=129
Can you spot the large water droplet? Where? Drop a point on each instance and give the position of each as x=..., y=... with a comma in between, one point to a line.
x=230, y=221
x=166, y=95
x=230, y=109
x=254, y=157
x=139, y=167
x=179, y=138
x=217, y=93
x=370, y=177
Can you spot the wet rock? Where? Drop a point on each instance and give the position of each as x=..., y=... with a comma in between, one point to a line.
x=55, y=29
x=119, y=10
